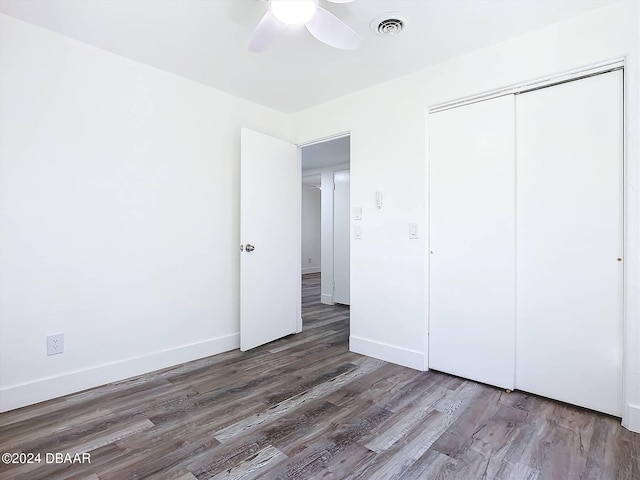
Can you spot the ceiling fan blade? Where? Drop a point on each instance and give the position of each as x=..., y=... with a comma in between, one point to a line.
x=329, y=29
x=265, y=32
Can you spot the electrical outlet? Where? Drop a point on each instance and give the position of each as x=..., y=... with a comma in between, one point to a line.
x=55, y=344
x=309, y=260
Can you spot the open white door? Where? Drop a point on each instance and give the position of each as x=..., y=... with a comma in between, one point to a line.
x=269, y=233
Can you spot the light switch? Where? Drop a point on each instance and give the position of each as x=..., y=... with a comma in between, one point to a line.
x=357, y=213
x=357, y=232
x=413, y=230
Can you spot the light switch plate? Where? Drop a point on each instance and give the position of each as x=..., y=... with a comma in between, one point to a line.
x=357, y=232
x=413, y=231
x=357, y=213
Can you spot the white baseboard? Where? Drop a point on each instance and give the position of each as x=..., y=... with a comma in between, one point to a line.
x=326, y=299
x=310, y=270
x=633, y=418
x=388, y=353
x=52, y=387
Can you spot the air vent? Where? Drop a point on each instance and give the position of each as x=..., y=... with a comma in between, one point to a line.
x=388, y=24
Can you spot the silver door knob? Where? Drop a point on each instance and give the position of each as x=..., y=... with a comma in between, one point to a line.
x=249, y=248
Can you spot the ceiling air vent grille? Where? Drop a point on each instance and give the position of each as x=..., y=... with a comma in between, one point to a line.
x=388, y=24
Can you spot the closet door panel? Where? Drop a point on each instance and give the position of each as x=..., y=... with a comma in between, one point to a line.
x=569, y=238
x=472, y=209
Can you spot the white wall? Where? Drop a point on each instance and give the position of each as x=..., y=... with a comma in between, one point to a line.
x=119, y=215
x=389, y=303
x=310, y=229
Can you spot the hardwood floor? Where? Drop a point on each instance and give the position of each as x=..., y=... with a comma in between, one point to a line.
x=304, y=407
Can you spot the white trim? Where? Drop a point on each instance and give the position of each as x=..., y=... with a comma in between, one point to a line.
x=17, y=396
x=299, y=241
x=532, y=85
x=324, y=139
x=326, y=299
x=427, y=228
x=632, y=420
x=389, y=353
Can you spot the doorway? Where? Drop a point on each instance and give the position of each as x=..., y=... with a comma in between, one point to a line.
x=325, y=207
x=270, y=232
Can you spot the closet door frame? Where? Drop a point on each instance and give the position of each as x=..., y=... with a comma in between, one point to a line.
x=631, y=215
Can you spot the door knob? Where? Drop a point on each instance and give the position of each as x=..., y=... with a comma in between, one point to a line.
x=249, y=248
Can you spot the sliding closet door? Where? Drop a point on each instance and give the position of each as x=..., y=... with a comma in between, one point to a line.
x=472, y=261
x=569, y=242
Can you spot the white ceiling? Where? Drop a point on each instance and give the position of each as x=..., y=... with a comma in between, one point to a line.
x=326, y=154
x=206, y=40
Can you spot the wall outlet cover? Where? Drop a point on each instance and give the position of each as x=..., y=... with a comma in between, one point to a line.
x=55, y=344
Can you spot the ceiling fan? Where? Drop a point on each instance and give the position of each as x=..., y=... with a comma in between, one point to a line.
x=320, y=23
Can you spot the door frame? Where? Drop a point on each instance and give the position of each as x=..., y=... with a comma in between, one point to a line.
x=301, y=145
x=630, y=212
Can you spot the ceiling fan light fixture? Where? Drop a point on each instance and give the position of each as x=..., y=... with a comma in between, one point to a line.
x=294, y=12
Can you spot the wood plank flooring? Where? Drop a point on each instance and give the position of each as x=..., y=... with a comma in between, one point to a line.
x=304, y=407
